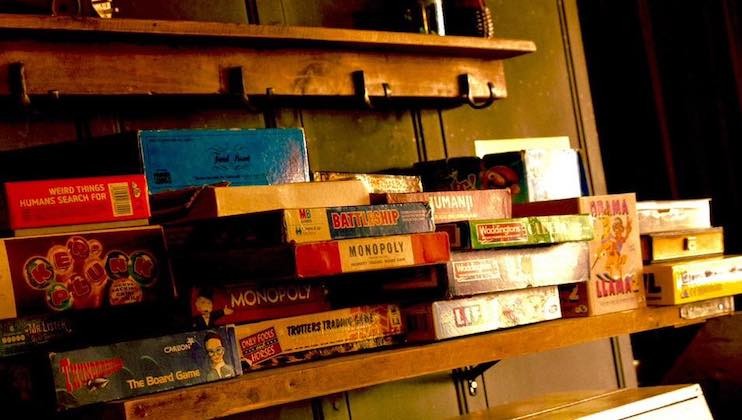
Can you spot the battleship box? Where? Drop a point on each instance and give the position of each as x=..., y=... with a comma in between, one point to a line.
x=499, y=233
x=664, y=246
x=242, y=303
x=282, y=341
x=81, y=271
x=455, y=318
x=673, y=283
x=615, y=254
x=662, y=216
x=477, y=272
x=451, y=206
x=318, y=259
x=127, y=369
x=302, y=226
x=171, y=159
x=80, y=201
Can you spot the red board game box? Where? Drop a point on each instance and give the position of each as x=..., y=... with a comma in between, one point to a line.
x=86, y=270
x=77, y=201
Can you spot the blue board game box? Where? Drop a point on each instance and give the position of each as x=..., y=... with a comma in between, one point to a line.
x=127, y=369
x=171, y=159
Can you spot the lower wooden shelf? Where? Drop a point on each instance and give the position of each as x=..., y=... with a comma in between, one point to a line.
x=294, y=383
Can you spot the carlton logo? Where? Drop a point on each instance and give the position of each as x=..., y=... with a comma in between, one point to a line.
x=180, y=347
x=78, y=375
x=501, y=232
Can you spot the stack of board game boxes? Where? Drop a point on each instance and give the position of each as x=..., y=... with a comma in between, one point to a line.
x=684, y=258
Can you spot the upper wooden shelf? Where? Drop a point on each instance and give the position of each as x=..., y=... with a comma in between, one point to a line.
x=74, y=57
x=299, y=382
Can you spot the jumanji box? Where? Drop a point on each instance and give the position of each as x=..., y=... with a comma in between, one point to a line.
x=127, y=369
x=615, y=254
x=46, y=206
x=475, y=272
x=458, y=317
x=282, y=341
x=452, y=206
x=86, y=270
x=171, y=159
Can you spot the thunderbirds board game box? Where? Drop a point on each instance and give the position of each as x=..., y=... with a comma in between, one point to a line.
x=131, y=368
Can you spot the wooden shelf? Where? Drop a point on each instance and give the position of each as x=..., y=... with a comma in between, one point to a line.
x=70, y=56
x=294, y=383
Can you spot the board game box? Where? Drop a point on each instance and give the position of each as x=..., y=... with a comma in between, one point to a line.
x=661, y=216
x=451, y=206
x=376, y=183
x=664, y=246
x=673, y=283
x=122, y=370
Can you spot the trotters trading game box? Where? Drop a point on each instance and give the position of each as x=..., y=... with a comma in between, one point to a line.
x=123, y=370
x=79, y=201
x=87, y=270
x=282, y=341
x=452, y=206
x=471, y=273
x=454, y=318
x=694, y=280
x=615, y=254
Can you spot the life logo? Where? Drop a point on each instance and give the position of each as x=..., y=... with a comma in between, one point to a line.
x=465, y=316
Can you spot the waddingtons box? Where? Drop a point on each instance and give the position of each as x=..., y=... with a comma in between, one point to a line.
x=673, y=283
x=452, y=206
x=303, y=225
x=85, y=270
x=171, y=159
x=476, y=272
x=615, y=254
x=282, y=341
x=376, y=183
x=485, y=234
x=663, y=246
x=131, y=368
x=319, y=259
x=97, y=201
x=211, y=202
x=458, y=317
x=241, y=303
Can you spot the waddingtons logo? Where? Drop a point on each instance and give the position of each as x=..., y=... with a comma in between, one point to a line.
x=494, y=233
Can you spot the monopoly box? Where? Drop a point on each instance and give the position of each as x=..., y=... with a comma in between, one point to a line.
x=171, y=159
x=661, y=216
x=220, y=201
x=451, y=206
x=485, y=234
x=679, y=282
x=476, y=272
x=302, y=226
x=319, y=259
x=376, y=183
x=86, y=270
x=615, y=253
x=282, y=341
x=454, y=318
x=127, y=369
x=80, y=201
x=241, y=303
x=663, y=246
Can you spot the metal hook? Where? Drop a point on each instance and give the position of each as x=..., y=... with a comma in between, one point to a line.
x=236, y=86
x=18, y=88
x=361, y=89
x=468, y=96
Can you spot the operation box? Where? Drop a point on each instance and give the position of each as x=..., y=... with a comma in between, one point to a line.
x=127, y=369
x=673, y=283
x=485, y=234
x=454, y=318
x=451, y=206
x=476, y=272
x=80, y=271
x=283, y=341
x=663, y=246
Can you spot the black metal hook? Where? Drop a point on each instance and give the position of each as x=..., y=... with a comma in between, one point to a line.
x=361, y=89
x=468, y=96
x=236, y=87
x=18, y=88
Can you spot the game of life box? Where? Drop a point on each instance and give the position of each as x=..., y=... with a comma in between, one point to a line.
x=51, y=206
x=476, y=272
x=171, y=159
x=615, y=253
x=458, y=317
x=127, y=369
x=84, y=270
x=451, y=206
x=289, y=340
